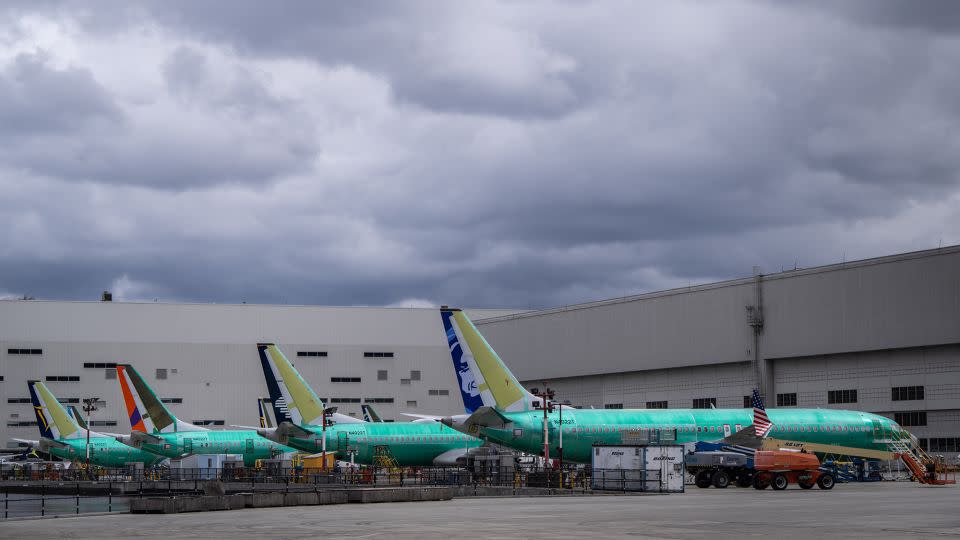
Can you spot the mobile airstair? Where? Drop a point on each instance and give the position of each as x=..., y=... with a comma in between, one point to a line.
x=925, y=468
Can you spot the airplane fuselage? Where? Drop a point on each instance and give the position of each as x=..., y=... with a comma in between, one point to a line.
x=104, y=451
x=582, y=429
x=244, y=442
x=410, y=444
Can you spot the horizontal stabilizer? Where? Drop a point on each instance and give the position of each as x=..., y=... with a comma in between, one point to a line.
x=138, y=438
x=746, y=437
x=289, y=429
x=33, y=443
x=46, y=444
x=486, y=417
x=421, y=418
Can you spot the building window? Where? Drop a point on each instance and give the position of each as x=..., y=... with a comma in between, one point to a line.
x=704, y=403
x=841, y=396
x=381, y=374
x=613, y=405
x=208, y=422
x=412, y=404
x=404, y=381
x=345, y=400
x=944, y=444
x=378, y=355
x=21, y=423
x=378, y=400
x=415, y=375
x=656, y=404
x=344, y=379
x=787, y=400
x=95, y=423
x=161, y=373
x=70, y=401
x=434, y=392
x=110, y=374
x=18, y=400
x=99, y=365
x=322, y=354
x=24, y=351
x=906, y=393
x=172, y=400
x=747, y=402
x=912, y=418
x=63, y=378
x=1, y=378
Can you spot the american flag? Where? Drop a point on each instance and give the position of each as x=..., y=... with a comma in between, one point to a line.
x=761, y=422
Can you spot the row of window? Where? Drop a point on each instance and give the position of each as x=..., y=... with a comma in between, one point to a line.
x=344, y=379
x=102, y=423
x=906, y=393
x=311, y=353
x=65, y=400
x=171, y=400
x=345, y=400
x=613, y=406
x=323, y=354
x=62, y=378
x=378, y=355
x=437, y=392
x=941, y=444
x=656, y=404
x=99, y=365
x=787, y=400
x=378, y=400
x=208, y=422
x=841, y=396
x=704, y=403
x=911, y=418
x=24, y=351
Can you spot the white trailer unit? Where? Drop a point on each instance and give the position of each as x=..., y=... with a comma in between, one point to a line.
x=657, y=468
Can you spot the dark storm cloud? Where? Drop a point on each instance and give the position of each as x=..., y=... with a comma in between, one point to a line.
x=505, y=154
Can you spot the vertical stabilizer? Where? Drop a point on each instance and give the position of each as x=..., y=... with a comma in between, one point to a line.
x=53, y=420
x=484, y=378
x=369, y=414
x=145, y=411
x=302, y=404
x=263, y=406
x=77, y=417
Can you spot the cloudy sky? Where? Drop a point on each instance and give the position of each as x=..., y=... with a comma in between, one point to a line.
x=516, y=154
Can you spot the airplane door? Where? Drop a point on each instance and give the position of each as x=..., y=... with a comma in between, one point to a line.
x=248, y=446
x=342, y=441
x=726, y=430
x=188, y=446
x=879, y=434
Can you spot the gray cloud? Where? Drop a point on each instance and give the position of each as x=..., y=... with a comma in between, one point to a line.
x=500, y=155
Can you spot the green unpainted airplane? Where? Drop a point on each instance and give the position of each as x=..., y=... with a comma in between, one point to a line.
x=379, y=443
x=157, y=430
x=62, y=436
x=499, y=409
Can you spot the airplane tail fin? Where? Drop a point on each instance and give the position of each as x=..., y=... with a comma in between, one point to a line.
x=369, y=414
x=53, y=420
x=303, y=407
x=146, y=412
x=77, y=417
x=266, y=421
x=484, y=379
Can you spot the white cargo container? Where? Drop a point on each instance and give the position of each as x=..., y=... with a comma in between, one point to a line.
x=657, y=468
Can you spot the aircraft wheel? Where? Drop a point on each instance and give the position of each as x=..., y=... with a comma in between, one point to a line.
x=703, y=479
x=721, y=479
x=826, y=481
x=780, y=482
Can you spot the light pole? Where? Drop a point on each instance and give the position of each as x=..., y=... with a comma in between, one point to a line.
x=89, y=405
x=546, y=405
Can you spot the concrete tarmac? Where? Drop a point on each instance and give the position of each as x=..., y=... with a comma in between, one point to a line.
x=881, y=510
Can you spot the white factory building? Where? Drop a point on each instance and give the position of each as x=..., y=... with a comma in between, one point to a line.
x=880, y=335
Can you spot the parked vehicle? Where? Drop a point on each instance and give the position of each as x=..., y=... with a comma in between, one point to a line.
x=778, y=469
